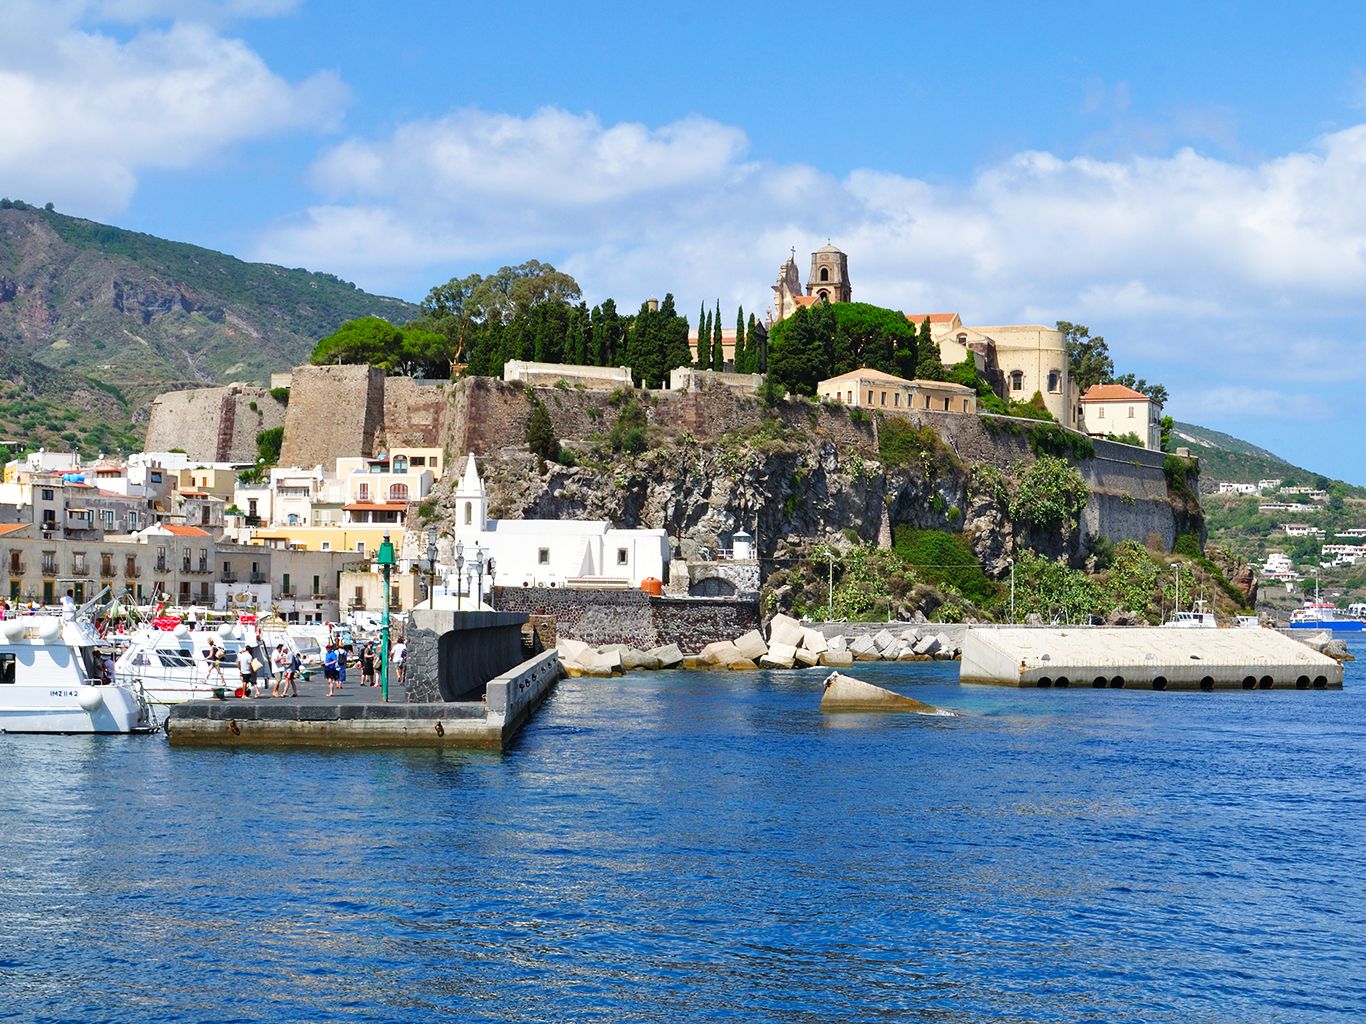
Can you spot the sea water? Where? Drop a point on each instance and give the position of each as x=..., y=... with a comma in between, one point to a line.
x=709, y=846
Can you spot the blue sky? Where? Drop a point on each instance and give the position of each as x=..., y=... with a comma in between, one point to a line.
x=1189, y=183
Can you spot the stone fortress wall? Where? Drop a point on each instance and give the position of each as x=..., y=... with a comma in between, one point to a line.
x=334, y=411
x=213, y=424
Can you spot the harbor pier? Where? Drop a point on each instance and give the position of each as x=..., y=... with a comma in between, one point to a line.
x=471, y=682
x=1138, y=658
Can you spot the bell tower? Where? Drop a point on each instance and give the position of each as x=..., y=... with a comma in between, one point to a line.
x=471, y=500
x=829, y=275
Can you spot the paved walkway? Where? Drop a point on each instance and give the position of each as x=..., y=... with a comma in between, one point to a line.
x=314, y=691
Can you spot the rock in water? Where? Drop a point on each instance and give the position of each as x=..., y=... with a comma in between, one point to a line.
x=845, y=693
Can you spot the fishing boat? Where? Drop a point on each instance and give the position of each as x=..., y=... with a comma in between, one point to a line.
x=52, y=681
x=1197, y=618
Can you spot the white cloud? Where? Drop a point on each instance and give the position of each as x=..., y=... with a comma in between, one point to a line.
x=82, y=112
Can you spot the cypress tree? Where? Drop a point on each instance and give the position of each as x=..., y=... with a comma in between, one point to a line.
x=703, y=340
x=758, y=346
x=928, y=366
x=741, y=353
x=540, y=434
x=718, y=350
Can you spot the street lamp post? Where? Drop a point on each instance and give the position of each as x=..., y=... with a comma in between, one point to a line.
x=830, y=588
x=385, y=558
x=431, y=567
x=459, y=568
x=479, y=576
x=492, y=581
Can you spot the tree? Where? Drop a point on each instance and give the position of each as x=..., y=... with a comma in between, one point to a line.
x=397, y=350
x=703, y=339
x=607, y=334
x=827, y=340
x=540, y=433
x=268, y=443
x=500, y=296
x=1088, y=358
x=1154, y=391
x=741, y=356
x=718, y=349
x=928, y=365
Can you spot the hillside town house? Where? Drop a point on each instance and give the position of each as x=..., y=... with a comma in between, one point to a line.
x=1108, y=409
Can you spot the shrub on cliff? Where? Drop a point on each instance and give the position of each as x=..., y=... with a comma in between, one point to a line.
x=268, y=444
x=1051, y=495
x=826, y=340
x=628, y=433
x=540, y=434
x=941, y=557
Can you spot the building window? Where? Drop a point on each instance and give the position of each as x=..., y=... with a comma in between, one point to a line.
x=327, y=545
x=47, y=494
x=1131, y=412
x=419, y=460
x=870, y=398
x=1053, y=380
x=1016, y=381
x=204, y=592
x=156, y=478
x=284, y=584
x=14, y=564
x=49, y=519
x=400, y=464
x=363, y=492
x=251, y=507
x=884, y=398
x=433, y=462
x=316, y=587
x=946, y=405
x=185, y=591
x=965, y=405
x=825, y=295
x=469, y=512
x=825, y=274
x=360, y=547
x=621, y=556
x=962, y=339
x=896, y=397
x=107, y=517
x=927, y=401
x=543, y=556
x=132, y=521
x=204, y=516
x=398, y=492
x=1100, y=413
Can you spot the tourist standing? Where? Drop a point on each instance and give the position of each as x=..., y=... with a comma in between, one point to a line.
x=330, y=669
x=367, y=665
x=342, y=659
x=281, y=665
x=68, y=607
x=400, y=654
x=292, y=676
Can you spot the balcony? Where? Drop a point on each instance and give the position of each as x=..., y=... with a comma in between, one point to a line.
x=356, y=604
x=228, y=577
x=259, y=577
x=80, y=570
x=18, y=568
x=185, y=567
x=132, y=572
x=289, y=591
x=108, y=572
x=49, y=568
x=162, y=567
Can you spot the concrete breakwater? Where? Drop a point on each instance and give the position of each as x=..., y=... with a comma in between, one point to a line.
x=1146, y=659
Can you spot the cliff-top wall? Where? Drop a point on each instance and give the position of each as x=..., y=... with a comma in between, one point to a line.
x=213, y=424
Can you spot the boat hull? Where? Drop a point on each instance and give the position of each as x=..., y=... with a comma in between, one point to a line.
x=1334, y=625
x=68, y=709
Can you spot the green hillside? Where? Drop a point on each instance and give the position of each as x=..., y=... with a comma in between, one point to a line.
x=137, y=315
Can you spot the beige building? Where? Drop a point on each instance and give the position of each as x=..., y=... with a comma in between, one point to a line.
x=1016, y=360
x=1114, y=409
x=885, y=392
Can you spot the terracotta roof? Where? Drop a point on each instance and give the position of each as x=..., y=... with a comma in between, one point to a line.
x=805, y=300
x=185, y=531
x=11, y=527
x=869, y=374
x=934, y=318
x=1113, y=393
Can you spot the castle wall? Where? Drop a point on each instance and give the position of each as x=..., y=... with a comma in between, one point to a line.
x=213, y=424
x=413, y=413
x=334, y=412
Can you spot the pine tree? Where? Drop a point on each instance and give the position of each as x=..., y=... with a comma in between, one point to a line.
x=703, y=340
x=741, y=353
x=540, y=434
x=718, y=350
x=928, y=366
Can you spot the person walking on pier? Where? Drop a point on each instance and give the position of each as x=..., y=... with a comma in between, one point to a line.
x=367, y=665
x=213, y=661
x=280, y=663
x=292, y=674
x=246, y=668
x=400, y=654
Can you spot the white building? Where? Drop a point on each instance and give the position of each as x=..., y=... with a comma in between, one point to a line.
x=1301, y=530
x=549, y=552
x=1114, y=409
x=1231, y=488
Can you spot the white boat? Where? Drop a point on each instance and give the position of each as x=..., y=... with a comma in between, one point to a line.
x=1196, y=618
x=51, y=682
x=170, y=666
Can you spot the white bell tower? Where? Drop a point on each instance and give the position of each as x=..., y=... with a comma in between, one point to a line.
x=471, y=502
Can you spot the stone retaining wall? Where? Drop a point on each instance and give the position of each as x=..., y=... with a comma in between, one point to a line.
x=633, y=617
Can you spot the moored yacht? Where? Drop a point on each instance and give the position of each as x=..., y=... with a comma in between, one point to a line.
x=52, y=681
x=168, y=660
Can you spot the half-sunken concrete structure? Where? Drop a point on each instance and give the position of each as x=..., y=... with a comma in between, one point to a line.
x=1145, y=659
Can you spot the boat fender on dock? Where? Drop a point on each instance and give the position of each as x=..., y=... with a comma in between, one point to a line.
x=90, y=698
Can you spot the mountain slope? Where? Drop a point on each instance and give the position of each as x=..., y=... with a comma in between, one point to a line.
x=1225, y=457
x=144, y=315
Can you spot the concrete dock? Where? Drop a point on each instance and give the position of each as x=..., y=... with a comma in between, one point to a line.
x=1138, y=658
x=469, y=685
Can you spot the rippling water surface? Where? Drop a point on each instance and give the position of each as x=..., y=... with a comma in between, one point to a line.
x=710, y=846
